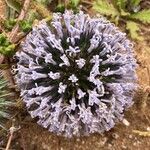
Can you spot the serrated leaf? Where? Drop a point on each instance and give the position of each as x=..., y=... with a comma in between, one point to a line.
x=105, y=8
x=143, y=16
x=133, y=28
x=14, y=5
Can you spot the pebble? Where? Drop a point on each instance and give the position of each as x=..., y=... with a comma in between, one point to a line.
x=104, y=141
x=78, y=140
x=130, y=136
x=109, y=145
x=124, y=147
x=115, y=135
x=134, y=143
x=126, y=122
x=148, y=129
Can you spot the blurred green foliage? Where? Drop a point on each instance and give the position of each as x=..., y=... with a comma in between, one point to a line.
x=71, y=4
x=6, y=47
x=44, y=2
x=14, y=4
x=4, y=103
x=9, y=24
x=25, y=25
x=126, y=11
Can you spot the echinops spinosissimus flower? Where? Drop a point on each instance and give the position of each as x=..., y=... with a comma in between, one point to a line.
x=76, y=74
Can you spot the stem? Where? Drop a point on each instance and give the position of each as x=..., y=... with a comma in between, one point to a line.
x=9, y=141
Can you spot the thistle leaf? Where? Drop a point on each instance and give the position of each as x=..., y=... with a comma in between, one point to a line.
x=14, y=5
x=105, y=8
x=133, y=28
x=143, y=16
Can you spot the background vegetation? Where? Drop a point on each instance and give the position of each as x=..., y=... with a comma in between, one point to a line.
x=17, y=17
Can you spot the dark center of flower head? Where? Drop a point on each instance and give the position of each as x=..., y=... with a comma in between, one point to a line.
x=76, y=74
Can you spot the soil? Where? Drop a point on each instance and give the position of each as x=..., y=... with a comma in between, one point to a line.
x=122, y=137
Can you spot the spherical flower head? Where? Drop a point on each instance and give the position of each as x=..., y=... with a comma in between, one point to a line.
x=76, y=74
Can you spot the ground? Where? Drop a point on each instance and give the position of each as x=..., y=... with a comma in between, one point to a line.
x=33, y=137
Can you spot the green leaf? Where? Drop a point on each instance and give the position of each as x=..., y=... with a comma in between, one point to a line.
x=7, y=51
x=31, y=16
x=105, y=8
x=121, y=4
x=2, y=39
x=14, y=5
x=60, y=8
x=133, y=29
x=6, y=48
x=75, y=3
x=134, y=3
x=25, y=25
x=9, y=24
x=143, y=16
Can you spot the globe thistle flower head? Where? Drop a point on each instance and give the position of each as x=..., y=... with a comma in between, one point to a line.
x=76, y=74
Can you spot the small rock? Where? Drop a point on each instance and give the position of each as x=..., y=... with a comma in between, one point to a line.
x=104, y=141
x=109, y=145
x=115, y=135
x=124, y=147
x=130, y=136
x=148, y=129
x=78, y=140
x=126, y=122
x=134, y=143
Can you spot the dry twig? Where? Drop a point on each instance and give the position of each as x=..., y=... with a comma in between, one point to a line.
x=12, y=130
x=142, y=133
